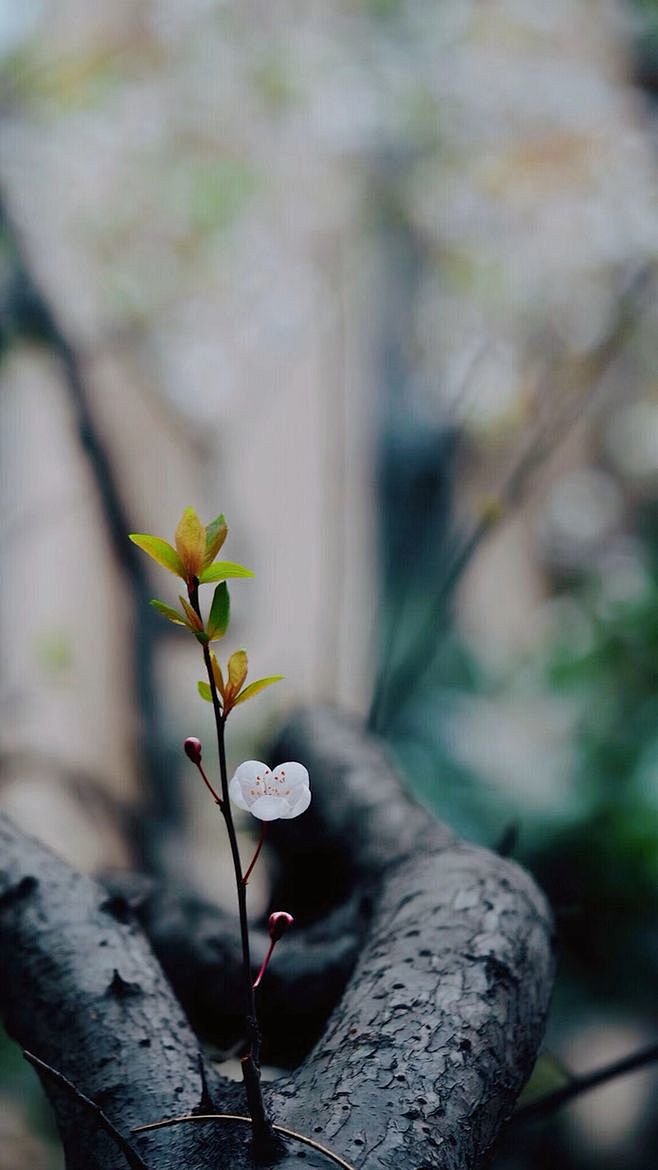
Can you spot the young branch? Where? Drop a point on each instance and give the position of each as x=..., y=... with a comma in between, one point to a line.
x=261, y=841
x=266, y=1145
x=584, y=1083
x=133, y=1158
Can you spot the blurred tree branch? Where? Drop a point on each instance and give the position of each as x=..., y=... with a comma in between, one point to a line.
x=27, y=315
x=584, y=1083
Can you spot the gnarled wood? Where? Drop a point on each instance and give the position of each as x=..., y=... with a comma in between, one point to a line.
x=440, y=1024
x=425, y=1052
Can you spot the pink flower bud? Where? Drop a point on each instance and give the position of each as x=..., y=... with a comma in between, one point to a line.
x=279, y=922
x=192, y=748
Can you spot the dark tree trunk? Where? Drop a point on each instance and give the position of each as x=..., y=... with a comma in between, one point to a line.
x=432, y=1034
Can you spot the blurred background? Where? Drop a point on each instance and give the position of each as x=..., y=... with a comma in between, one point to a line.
x=378, y=279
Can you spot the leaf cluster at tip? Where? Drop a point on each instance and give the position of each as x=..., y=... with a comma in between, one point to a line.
x=194, y=557
x=193, y=560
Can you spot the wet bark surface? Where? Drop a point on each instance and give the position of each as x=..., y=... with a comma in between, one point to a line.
x=433, y=1031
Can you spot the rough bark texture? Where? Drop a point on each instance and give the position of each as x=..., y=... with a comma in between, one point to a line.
x=82, y=990
x=438, y=1029
x=198, y=947
x=423, y=1055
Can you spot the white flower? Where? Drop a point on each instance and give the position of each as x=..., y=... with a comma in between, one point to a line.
x=283, y=793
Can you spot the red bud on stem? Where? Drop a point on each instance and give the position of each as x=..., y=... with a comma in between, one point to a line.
x=278, y=923
x=192, y=748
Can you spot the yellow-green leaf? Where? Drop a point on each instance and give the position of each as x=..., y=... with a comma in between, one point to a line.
x=169, y=612
x=221, y=570
x=219, y=612
x=193, y=618
x=191, y=542
x=204, y=691
x=216, y=533
x=161, y=551
x=548, y=1075
x=255, y=687
x=217, y=674
x=237, y=670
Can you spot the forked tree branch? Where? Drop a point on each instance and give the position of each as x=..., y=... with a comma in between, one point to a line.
x=422, y=1058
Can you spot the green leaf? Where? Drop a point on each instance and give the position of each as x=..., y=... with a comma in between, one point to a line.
x=221, y=570
x=218, y=617
x=161, y=552
x=216, y=533
x=255, y=687
x=204, y=690
x=169, y=612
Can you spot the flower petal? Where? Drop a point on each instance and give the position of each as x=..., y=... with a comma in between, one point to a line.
x=269, y=808
x=242, y=787
x=235, y=793
x=294, y=774
x=296, y=804
x=249, y=770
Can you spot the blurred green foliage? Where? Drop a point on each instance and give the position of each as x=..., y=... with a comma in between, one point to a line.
x=593, y=846
x=601, y=870
x=21, y=1085
x=211, y=192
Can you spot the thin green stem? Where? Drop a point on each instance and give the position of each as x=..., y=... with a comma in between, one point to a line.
x=264, y=1138
x=228, y=817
